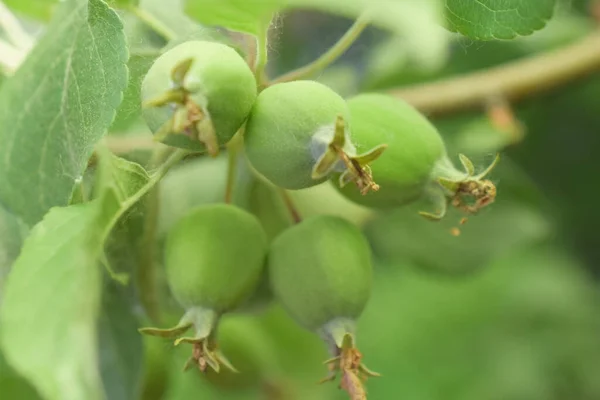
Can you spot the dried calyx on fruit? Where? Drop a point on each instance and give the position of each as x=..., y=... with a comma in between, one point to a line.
x=298, y=135
x=197, y=95
x=214, y=257
x=321, y=273
x=416, y=165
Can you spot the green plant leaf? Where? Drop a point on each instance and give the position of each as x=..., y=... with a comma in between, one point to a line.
x=498, y=19
x=58, y=105
x=238, y=15
x=130, y=109
x=51, y=302
x=37, y=9
x=123, y=3
x=404, y=235
x=12, y=385
x=120, y=345
x=12, y=234
x=52, y=295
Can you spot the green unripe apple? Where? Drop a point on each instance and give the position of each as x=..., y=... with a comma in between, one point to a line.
x=414, y=147
x=416, y=164
x=197, y=95
x=298, y=134
x=320, y=271
x=214, y=257
x=214, y=260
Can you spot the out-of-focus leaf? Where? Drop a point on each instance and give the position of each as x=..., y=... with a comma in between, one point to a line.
x=252, y=17
x=12, y=385
x=238, y=15
x=479, y=135
x=12, y=234
x=120, y=345
x=38, y=9
x=58, y=105
x=51, y=302
x=524, y=327
x=504, y=226
x=498, y=19
x=564, y=28
x=123, y=3
x=172, y=16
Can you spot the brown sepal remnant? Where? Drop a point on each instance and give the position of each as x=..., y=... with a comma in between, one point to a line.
x=205, y=354
x=357, y=167
x=469, y=194
x=188, y=117
x=354, y=373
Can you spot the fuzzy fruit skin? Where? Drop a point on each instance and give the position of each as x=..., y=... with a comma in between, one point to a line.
x=226, y=84
x=214, y=257
x=283, y=120
x=321, y=271
x=414, y=147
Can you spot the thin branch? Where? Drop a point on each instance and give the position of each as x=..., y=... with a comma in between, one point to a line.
x=329, y=56
x=262, y=54
x=289, y=204
x=513, y=81
x=233, y=152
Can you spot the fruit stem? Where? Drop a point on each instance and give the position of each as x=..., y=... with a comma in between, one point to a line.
x=262, y=54
x=233, y=151
x=289, y=204
x=146, y=274
x=330, y=56
x=153, y=22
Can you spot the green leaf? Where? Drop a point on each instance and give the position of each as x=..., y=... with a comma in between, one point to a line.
x=51, y=302
x=130, y=109
x=58, y=105
x=252, y=16
x=37, y=9
x=120, y=348
x=238, y=15
x=12, y=233
x=12, y=385
x=123, y=3
x=404, y=235
x=52, y=295
x=124, y=177
x=498, y=19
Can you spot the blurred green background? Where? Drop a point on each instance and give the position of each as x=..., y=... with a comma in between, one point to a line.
x=508, y=310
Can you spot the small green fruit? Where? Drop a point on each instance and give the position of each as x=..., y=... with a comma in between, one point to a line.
x=298, y=134
x=414, y=147
x=416, y=164
x=214, y=259
x=197, y=95
x=321, y=273
x=320, y=270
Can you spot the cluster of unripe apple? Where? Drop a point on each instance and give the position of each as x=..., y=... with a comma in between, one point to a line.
x=379, y=151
